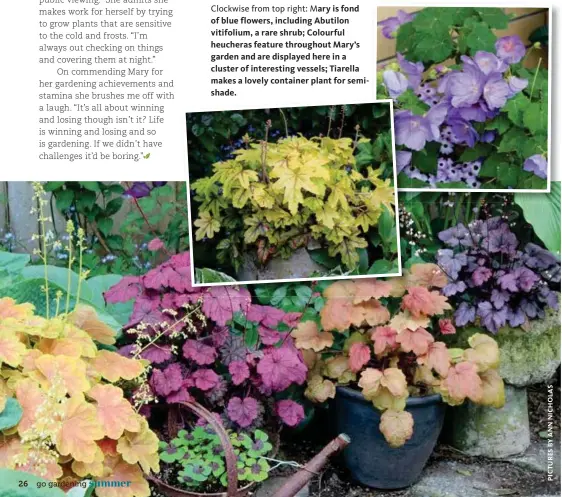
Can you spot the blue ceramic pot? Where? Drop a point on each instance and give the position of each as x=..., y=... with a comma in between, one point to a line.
x=369, y=458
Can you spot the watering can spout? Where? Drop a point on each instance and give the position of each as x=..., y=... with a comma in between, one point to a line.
x=312, y=467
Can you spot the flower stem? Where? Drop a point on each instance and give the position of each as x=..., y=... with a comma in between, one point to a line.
x=535, y=78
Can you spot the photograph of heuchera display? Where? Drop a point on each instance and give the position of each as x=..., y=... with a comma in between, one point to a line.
x=471, y=103
x=296, y=193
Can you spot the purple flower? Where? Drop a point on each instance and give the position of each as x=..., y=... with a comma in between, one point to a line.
x=492, y=319
x=488, y=136
x=465, y=314
x=516, y=85
x=488, y=63
x=139, y=189
x=465, y=87
x=496, y=91
x=510, y=49
x=463, y=131
x=395, y=82
x=390, y=25
x=537, y=165
x=412, y=130
x=412, y=70
x=403, y=159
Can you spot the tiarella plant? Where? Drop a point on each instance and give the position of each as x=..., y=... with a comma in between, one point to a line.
x=494, y=281
x=197, y=457
x=481, y=121
x=380, y=337
x=212, y=345
x=273, y=198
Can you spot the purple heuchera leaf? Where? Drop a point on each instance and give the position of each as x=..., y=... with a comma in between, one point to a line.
x=525, y=278
x=502, y=240
x=182, y=395
x=290, y=412
x=453, y=288
x=199, y=352
x=281, y=367
x=491, y=318
x=220, y=303
x=243, y=411
x=499, y=298
x=146, y=310
x=239, y=371
x=450, y=262
x=510, y=49
x=269, y=336
x=233, y=349
x=157, y=354
x=516, y=317
x=508, y=281
x=481, y=275
x=205, y=379
x=465, y=314
x=169, y=380
x=126, y=289
x=455, y=236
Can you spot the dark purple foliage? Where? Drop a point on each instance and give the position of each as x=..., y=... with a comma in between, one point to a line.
x=493, y=280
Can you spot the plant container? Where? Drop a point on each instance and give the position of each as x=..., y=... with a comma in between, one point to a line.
x=369, y=458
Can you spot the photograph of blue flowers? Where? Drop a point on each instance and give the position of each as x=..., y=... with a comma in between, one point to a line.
x=470, y=89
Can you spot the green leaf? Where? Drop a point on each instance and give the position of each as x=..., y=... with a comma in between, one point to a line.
x=481, y=37
x=13, y=262
x=381, y=266
x=206, y=275
x=404, y=38
x=508, y=175
x=426, y=160
x=238, y=119
x=279, y=295
x=50, y=186
x=251, y=336
x=85, y=200
x=197, y=130
x=512, y=140
x=113, y=206
x=105, y=225
x=93, y=186
x=386, y=227
x=264, y=293
x=515, y=107
x=535, y=118
x=304, y=293
x=321, y=256
x=496, y=18
x=11, y=414
x=64, y=199
x=493, y=164
x=22, y=484
x=363, y=266
x=501, y=124
x=479, y=150
x=410, y=101
x=542, y=212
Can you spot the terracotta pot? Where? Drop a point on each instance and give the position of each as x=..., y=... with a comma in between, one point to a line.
x=177, y=492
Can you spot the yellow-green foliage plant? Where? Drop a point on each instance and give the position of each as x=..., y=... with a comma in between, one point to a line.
x=63, y=413
x=276, y=197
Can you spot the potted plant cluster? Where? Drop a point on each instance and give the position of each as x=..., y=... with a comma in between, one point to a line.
x=313, y=201
x=374, y=349
x=471, y=112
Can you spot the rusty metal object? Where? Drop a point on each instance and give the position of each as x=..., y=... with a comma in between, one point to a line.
x=230, y=457
x=312, y=467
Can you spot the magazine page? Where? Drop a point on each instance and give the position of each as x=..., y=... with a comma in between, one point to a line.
x=280, y=249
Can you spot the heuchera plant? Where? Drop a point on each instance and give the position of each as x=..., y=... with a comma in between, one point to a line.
x=273, y=198
x=481, y=121
x=197, y=457
x=492, y=280
x=62, y=407
x=212, y=345
x=375, y=336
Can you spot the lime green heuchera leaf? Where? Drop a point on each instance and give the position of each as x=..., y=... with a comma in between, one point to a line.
x=207, y=225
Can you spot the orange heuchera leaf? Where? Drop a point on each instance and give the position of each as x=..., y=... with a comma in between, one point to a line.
x=108, y=446
x=113, y=366
x=48, y=469
x=114, y=412
x=485, y=352
x=70, y=370
x=86, y=318
x=337, y=368
x=75, y=343
x=427, y=275
x=10, y=450
x=462, y=382
x=370, y=382
x=336, y=313
x=493, y=391
x=319, y=389
x=30, y=396
x=28, y=362
x=371, y=312
x=80, y=430
x=405, y=321
x=140, y=447
x=424, y=374
x=122, y=471
x=95, y=468
x=384, y=338
x=359, y=355
x=415, y=341
x=10, y=309
x=5, y=392
x=397, y=427
x=371, y=289
x=437, y=358
x=310, y=358
x=420, y=301
x=394, y=380
x=12, y=349
x=307, y=336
